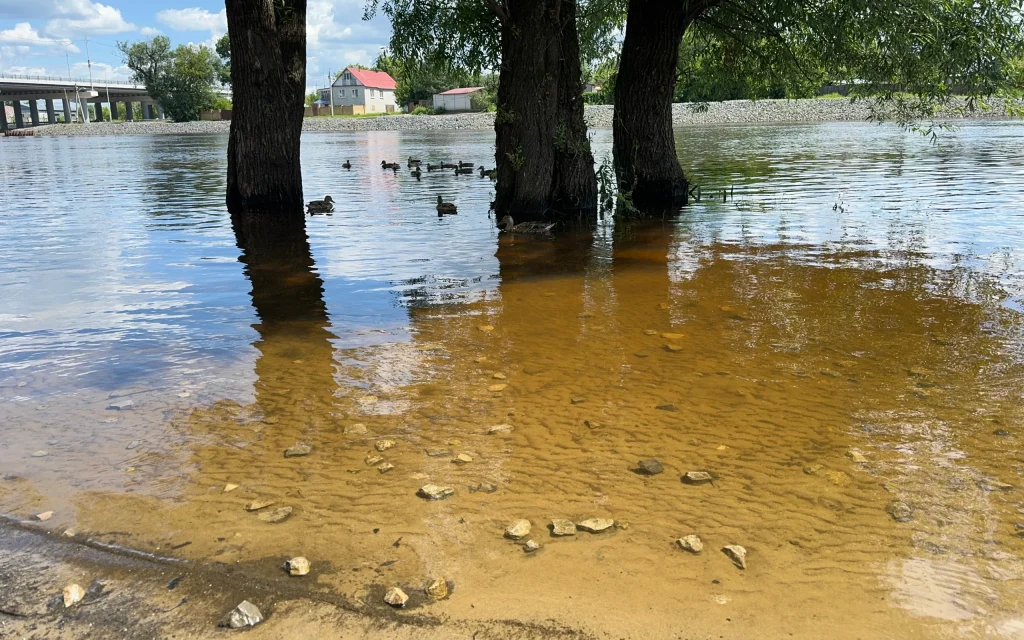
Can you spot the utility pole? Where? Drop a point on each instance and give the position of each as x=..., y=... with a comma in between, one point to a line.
x=330, y=89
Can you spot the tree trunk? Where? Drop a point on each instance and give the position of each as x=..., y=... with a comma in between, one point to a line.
x=575, y=184
x=268, y=78
x=644, y=144
x=545, y=168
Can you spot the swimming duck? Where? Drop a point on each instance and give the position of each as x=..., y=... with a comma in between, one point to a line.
x=413, y=162
x=448, y=165
x=445, y=208
x=320, y=206
x=384, y=164
x=416, y=173
x=433, y=167
x=508, y=225
x=488, y=173
x=463, y=165
x=347, y=165
x=463, y=170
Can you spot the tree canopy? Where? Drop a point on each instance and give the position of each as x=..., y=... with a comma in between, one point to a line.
x=182, y=79
x=223, y=48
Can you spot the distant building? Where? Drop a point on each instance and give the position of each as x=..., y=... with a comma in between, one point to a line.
x=456, y=99
x=590, y=87
x=361, y=91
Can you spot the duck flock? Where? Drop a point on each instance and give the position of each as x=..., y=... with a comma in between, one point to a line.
x=415, y=166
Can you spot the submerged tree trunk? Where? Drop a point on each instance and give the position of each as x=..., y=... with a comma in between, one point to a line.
x=575, y=184
x=268, y=78
x=644, y=144
x=541, y=143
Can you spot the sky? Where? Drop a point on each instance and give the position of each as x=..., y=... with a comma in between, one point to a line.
x=47, y=37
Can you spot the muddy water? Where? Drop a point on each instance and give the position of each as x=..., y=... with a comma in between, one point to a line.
x=842, y=333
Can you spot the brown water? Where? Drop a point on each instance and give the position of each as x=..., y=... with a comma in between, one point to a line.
x=858, y=294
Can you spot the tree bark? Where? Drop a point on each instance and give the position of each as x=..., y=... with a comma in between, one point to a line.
x=268, y=78
x=575, y=184
x=644, y=146
x=540, y=179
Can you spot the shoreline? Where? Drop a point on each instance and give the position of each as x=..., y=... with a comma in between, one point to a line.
x=735, y=112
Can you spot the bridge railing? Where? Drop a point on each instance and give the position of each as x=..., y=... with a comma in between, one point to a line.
x=79, y=81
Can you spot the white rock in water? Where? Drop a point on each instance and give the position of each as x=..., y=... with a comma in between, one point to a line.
x=396, y=597
x=563, y=528
x=373, y=460
x=530, y=546
x=298, y=450
x=44, y=516
x=463, y=458
x=856, y=456
x=435, y=492
x=384, y=468
x=230, y=487
x=697, y=477
x=40, y=454
x=297, y=566
x=357, y=429
x=737, y=554
x=276, y=516
x=384, y=445
x=518, y=529
x=691, y=543
x=596, y=525
x=438, y=589
x=500, y=428
x=246, y=614
x=256, y=505
x=73, y=594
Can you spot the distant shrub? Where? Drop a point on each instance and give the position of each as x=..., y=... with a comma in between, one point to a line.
x=440, y=110
x=422, y=111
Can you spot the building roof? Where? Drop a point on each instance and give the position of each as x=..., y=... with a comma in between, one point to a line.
x=372, y=79
x=455, y=92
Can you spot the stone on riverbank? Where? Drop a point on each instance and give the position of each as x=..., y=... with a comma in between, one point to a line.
x=373, y=460
x=435, y=492
x=276, y=516
x=396, y=597
x=596, y=525
x=384, y=445
x=44, y=516
x=650, y=467
x=518, y=529
x=900, y=511
x=500, y=428
x=737, y=554
x=256, y=505
x=73, y=594
x=563, y=528
x=246, y=614
x=463, y=458
x=384, y=468
x=298, y=450
x=357, y=429
x=297, y=566
x=691, y=543
x=697, y=477
x=530, y=546
x=438, y=589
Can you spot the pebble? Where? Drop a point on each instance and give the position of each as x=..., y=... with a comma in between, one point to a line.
x=697, y=477
x=439, y=453
x=40, y=454
x=357, y=429
x=69, y=533
x=577, y=400
x=518, y=529
x=246, y=614
x=73, y=594
x=592, y=424
x=483, y=487
x=384, y=468
x=900, y=511
x=1000, y=432
x=650, y=467
x=499, y=376
x=121, y=405
x=563, y=528
x=500, y=428
x=497, y=387
x=672, y=336
x=674, y=348
x=666, y=407
x=530, y=546
x=596, y=525
x=297, y=566
x=812, y=469
x=133, y=444
x=230, y=487
x=856, y=456
x=650, y=332
x=435, y=492
x=298, y=450
x=462, y=458
x=838, y=478
x=384, y=445
x=256, y=505
x=373, y=459
x=44, y=516
x=737, y=554
x=643, y=353
x=276, y=516
x=396, y=597
x=485, y=328
x=691, y=543
x=438, y=589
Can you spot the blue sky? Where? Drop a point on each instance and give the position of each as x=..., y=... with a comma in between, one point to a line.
x=45, y=37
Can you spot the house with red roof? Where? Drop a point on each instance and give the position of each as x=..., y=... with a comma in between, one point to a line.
x=361, y=91
x=456, y=99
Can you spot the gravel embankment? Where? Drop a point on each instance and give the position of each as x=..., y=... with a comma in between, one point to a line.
x=599, y=116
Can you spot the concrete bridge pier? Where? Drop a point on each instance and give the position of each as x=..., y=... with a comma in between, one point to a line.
x=33, y=109
x=67, y=110
x=51, y=115
x=99, y=111
x=3, y=118
x=19, y=117
x=113, y=112
x=129, y=113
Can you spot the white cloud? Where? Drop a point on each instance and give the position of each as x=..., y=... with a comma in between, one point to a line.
x=149, y=32
x=194, y=19
x=72, y=18
x=23, y=35
x=101, y=71
x=337, y=36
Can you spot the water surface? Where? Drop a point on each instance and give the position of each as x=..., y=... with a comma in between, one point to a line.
x=840, y=332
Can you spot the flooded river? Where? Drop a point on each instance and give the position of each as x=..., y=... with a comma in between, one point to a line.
x=838, y=341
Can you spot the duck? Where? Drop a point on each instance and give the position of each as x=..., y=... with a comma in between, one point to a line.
x=488, y=173
x=347, y=165
x=464, y=165
x=320, y=206
x=448, y=165
x=416, y=173
x=463, y=170
x=433, y=167
x=445, y=208
x=384, y=164
x=413, y=162
x=508, y=225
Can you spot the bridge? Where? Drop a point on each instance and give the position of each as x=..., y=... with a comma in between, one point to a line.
x=73, y=93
